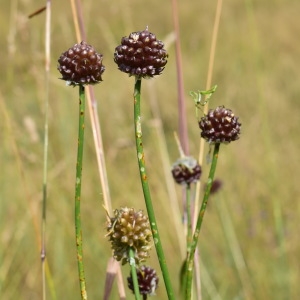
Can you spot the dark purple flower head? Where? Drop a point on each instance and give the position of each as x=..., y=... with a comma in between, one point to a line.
x=141, y=54
x=81, y=65
x=147, y=279
x=186, y=170
x=220, y=125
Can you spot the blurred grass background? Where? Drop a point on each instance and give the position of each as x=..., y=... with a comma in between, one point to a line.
x=257, y=73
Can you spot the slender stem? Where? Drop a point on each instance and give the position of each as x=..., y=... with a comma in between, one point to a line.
x=78, y=193
x=189, y=236
x=145, y=186
x=96, y=129
x=191, y=253
x=183, y=129
x=134, y=274
x=46, y=138
x=189, y=218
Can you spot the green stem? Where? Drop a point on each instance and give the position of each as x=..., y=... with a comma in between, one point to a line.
x=78, y=193
x=191, y=251
x=189, y=236
x=189, y=218
x=145, y=186
x=134, y=274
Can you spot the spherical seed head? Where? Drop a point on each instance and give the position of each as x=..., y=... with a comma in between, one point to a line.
x=147, y=280
x=186, y=170
x=141, y=54
x=81, y=65
x=129, y=228
x=220, y=126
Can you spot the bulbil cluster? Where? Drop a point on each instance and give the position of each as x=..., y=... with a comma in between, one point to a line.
x=147, y=280
x=186, y=170
x=81, y=65
x=220, y=125
x=141, y=54
x=129, y=228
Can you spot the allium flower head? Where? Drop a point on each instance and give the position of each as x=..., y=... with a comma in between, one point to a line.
x=220, y=125
x=129, y=228
x=147, y=279
x=141, y=54
x=186, y=170
x=81, y=65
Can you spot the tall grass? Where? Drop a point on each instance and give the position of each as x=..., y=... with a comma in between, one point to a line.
x=256, y=72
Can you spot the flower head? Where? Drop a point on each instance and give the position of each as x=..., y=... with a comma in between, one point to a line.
x=220, y=125
x=147, y=280
x=129, y=228
x=186, y=170
x=141, y=54
x=81, y=65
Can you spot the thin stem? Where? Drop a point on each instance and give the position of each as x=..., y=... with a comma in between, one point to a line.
x=134, y=274
x=96, y=129
x=145, y=186
x=78, y=193
x=189, y=218
x=189, y=235
x=191, y=253
x=46, y=138
x=211, y=63
x=183, y=130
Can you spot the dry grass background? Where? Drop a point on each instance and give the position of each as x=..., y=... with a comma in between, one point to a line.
x=257, y=72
